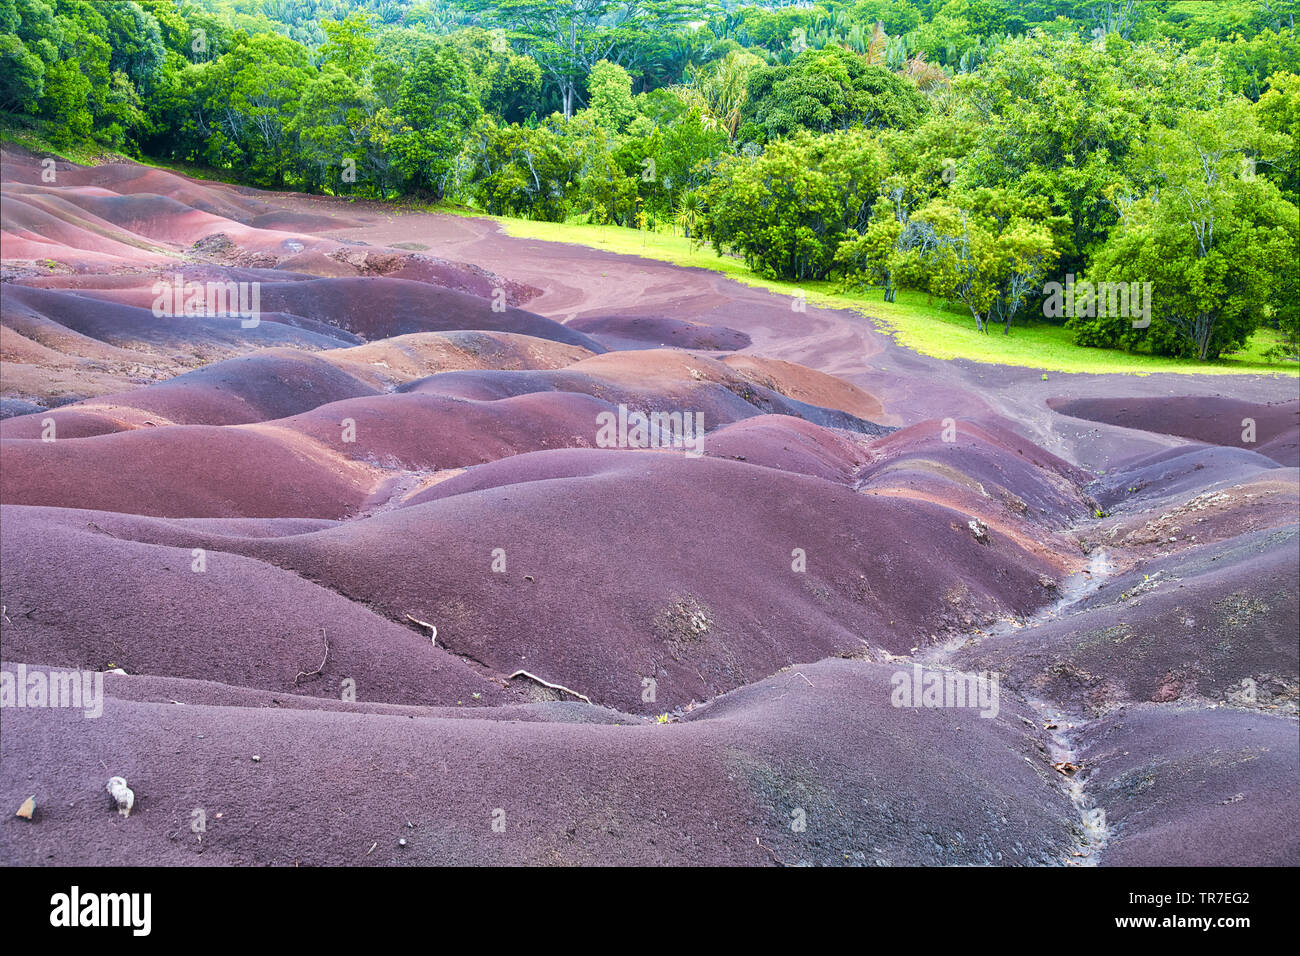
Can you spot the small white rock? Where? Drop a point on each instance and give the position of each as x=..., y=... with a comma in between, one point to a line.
x=122, y=795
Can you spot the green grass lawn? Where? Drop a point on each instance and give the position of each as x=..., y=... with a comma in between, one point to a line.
x=916, y=319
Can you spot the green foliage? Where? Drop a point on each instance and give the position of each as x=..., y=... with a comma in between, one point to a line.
x=530, y=172
x=351, y=45
x=670, y=150
x=826, y=90
x=609, y=96
x=1279, y=113
x=253, y=96
x=787, y=209
x=987, y=249
x=1058, y=117
x=436, y=109
x=962, y=149
x=1217, y=242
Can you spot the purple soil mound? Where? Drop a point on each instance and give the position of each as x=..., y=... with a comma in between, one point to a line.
x=641, y=332
x=986, y=460
x=1178, y=472
x=369, y=307
x=789, y=444
x=379, y=307
x=148, y=215
x=1195, y=788
x=1213, y=420
x=1266, y=502
x=1197, y=625
x=13, y=407
x=46, y=312
x=720, y=402
x=253, y=388
x=422, y=432
x=403, y=358
x=283, y=221
x=151, y=609
x=871, y=784
x=73, y=421
x=699, y=595
x=183, y=471
x=461, y=277
x=368, y=558
x=46, y=228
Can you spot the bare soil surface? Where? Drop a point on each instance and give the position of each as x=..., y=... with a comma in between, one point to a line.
x=365, y=582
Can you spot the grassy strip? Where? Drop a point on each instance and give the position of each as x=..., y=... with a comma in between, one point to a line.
x=916, y=320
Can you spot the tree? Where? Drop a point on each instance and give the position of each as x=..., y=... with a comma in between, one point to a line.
x=505, y=82
x=29, y=45
x=22, y=75
x=826, y=90
x=669, y=149
x=722, y=88
x=1279, y=113
x=351, y=45
x=136, y=43
x=523, y=171
x=609, y=96
x=788, y=209
x=872, y=258
x=437, y=108
x=1058, y=118
x=338, y=127
x=568, y=37
x=1217, y=242
x=253, y=98
x=987, y=249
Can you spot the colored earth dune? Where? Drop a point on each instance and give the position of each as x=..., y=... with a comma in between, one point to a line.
x=642, y=656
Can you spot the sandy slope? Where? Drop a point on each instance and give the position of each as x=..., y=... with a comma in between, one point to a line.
x=259, y=525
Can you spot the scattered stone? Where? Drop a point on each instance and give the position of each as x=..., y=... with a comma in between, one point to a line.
x=123, y=796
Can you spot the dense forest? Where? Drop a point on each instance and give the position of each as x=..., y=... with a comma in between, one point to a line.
x=974, y=149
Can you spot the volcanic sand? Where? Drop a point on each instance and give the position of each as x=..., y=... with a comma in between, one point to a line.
x=641, y=655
